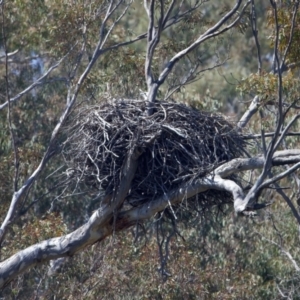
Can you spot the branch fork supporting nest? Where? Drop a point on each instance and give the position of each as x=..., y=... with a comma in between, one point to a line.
x=178, y=144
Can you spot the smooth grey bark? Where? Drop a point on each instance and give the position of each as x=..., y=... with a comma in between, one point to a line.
x=109, y=217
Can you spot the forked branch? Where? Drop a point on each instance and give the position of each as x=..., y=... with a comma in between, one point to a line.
x=101, y=224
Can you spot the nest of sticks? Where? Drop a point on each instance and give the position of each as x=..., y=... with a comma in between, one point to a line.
x=178, y=143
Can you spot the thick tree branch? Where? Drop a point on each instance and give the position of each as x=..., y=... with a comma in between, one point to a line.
x=251, y=111
x=94, y=230
x=106, y=220
x=243, y=164
x=153, y=37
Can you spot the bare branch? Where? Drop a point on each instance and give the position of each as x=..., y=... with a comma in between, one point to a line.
x=243, y=164
x=215, y=181
x=285, y=252
x=289, y=202
x=167, y=15
x=210, y=33
x=269, y=151
x=99, y=226
x=268, y=134
x=108, y=15
x=5, y=56
x=93, y=231
x=38, y=82
x=279, y=176
x=296, y=5
x=150, y=45
x=153, y=39
x=255, y=34
x=282, y=293
x=191, y=77
x=169, y=22
x=9, y=118
x=284, y=132
x=71, y=99
x=251, y=111
x=153, y=85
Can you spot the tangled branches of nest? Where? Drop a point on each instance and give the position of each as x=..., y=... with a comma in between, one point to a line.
x=178, y=144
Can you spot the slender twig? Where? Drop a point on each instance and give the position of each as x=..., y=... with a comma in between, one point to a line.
x=38, y=82
x=210, y=33
x=170, y=22
x=282, y=293
x=289, y=203
x=255, y=34
x=73, y=92
x=293, y=24
x=258, y=185
x=191, y=77
x=268, y=134
x=284, y=132
x=284, y=251
x=8, y=100
x=279, y=176
x=105, y=37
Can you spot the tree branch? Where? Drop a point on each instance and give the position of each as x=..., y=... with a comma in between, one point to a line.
x=101, y=223
x=295, y=10
x=287, y=253
x=251, y=111
x=284, y=132
x=38, y=82
x=268, y=134
x=210, y=33
x=9, y=112
x=269, y=151
x=255, y=34
x=94, y=230
x=280, y=158
x=71, y=99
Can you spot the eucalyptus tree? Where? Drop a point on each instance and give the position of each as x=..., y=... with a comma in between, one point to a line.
x=75, y=41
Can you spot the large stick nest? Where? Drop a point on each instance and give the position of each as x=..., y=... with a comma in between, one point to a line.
x=178, y=144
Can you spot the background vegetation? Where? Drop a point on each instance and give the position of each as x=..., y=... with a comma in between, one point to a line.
x=214, y=255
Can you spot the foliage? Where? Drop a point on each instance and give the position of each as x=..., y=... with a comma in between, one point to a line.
x=265, y=85
x=218, y=256
x=285, y=28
